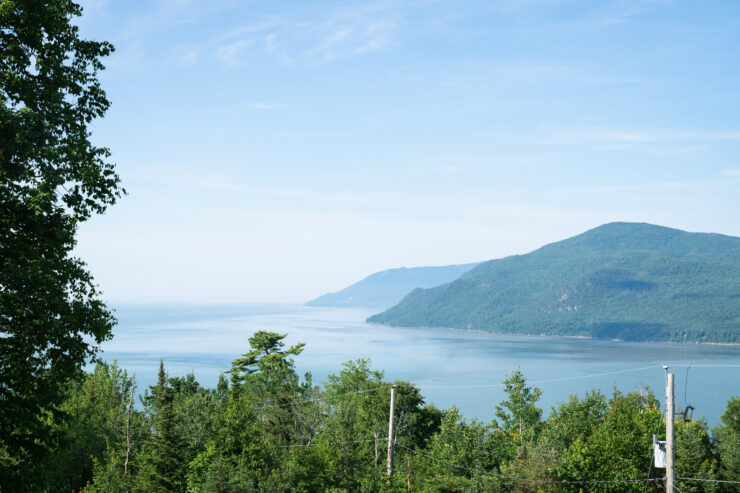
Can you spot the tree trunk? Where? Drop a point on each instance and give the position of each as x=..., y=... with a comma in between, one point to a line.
x=128, y=428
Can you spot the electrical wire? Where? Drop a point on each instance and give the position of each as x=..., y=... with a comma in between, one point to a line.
x=411, y=474
x=650, y=470
x=384, y=386
x=652, y=456
x=594, y=375
x=716, y=366
x=550, y=380
x=498, y=475
x=685, y=385
x=333, y=443
x=708, y=480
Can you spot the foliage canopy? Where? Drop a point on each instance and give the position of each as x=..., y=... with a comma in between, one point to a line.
x=51, y=178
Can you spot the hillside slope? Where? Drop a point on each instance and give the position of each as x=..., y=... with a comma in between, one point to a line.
x=621, y=280
x=388, y=287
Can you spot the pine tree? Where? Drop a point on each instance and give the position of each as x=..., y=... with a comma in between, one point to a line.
x=162, y=470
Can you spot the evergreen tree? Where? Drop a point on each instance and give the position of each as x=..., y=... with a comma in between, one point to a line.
x=726, y=438
x=693, y=457
x=162, y=470
x=266, y=377
x=266, y=410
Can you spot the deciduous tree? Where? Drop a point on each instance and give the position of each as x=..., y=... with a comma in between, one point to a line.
x=519, y=414
x=51, y=178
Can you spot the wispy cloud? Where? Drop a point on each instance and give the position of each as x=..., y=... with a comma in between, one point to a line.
x=643, y=136
x=164, y=15
x=311, y=37
x=456, y=163
x=376, y=37
x=353, y=38
x=248, y=29
x=232, y=54
x=190, y=57
x=731, y=173
x=623, y=11
x=331, y=44
x=666, y=186
x=659, y=149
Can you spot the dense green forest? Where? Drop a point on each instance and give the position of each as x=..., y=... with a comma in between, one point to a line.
x=386, y=288
x=264, y=428
x=625, y=281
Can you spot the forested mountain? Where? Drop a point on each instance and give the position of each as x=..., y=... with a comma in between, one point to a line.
x=621, y=280
x=386, y=288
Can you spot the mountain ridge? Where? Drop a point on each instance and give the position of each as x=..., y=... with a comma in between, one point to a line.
x=386, y=288
x=630, y=281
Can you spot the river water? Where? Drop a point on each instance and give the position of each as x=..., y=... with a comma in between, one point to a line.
x=450, y=367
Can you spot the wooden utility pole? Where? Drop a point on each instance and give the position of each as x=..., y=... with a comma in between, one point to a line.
x=669, y=476
x=390, y=432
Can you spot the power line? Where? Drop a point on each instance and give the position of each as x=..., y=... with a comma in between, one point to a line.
x=686, y=384
x=381, y=386
x=652, y=460
x=708, y=480
x=551, y=380
x=384, y=386
x=716, y=366
x=331, y=443
x=529, y=480
x=412, y=475
x=595, y=375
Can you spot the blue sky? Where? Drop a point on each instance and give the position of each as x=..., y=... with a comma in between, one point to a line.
x=276, y=150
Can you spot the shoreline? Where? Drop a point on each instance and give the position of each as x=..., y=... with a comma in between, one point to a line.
x=480, y=331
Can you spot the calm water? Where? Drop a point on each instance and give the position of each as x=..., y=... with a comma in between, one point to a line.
x=451, y=367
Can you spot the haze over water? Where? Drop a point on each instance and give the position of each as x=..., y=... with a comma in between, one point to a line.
x=450, y=367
